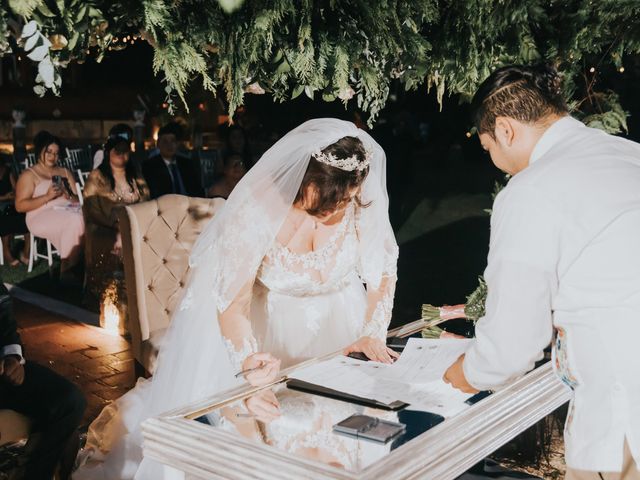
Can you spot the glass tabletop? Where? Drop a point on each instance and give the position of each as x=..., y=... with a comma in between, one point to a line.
x=302, y=424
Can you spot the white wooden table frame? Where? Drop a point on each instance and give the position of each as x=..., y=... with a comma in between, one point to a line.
x=441, y=453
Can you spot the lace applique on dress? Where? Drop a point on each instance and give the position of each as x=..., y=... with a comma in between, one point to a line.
x=295, y=274
x=237, y=357
x=377, y=326
x=313, y=319
x=315, y=260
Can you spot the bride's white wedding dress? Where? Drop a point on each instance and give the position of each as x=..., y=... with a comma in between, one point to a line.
x=301, y=306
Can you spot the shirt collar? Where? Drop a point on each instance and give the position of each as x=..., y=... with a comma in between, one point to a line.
x=554, y=134
x=169, y=161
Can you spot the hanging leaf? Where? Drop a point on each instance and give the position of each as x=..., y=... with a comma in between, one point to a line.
x=297, y=91
x=61, y=7
x=24, y=8
x=230, y=5
x=44, y=10
x=308, y=92
x=29, y=29
x=74, y=40
x=31, y=42
x=39, y=53
x=46, y=71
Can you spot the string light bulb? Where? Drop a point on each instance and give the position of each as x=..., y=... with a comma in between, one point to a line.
x=592, y=69
x=621, y=69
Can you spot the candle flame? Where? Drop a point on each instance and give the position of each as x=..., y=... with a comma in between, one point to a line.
x=110, y=312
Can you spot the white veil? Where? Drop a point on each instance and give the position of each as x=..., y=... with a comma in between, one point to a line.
x=193, y=361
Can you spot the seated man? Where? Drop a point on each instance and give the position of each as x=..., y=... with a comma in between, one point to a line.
x=169, y=172
x=54, y=404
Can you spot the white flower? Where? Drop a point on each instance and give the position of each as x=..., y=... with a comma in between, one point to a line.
x=254, y=88
x=346, y=93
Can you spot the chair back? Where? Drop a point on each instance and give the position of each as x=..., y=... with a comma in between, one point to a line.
x=78, y=159
x=82, y=176
x=157, y=237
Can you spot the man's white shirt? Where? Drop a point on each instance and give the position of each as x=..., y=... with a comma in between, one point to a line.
x=565, y=253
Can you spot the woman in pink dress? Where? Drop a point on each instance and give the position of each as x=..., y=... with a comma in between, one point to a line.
x=52, y=207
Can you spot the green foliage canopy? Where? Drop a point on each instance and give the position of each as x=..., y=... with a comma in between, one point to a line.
x=337, y=49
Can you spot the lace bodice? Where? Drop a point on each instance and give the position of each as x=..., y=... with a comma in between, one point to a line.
x=295, y=274
x=314, y=278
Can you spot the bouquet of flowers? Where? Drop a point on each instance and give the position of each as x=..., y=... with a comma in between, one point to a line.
x=472, y=310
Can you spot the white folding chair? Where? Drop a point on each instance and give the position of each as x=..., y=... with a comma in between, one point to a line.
x=34, y=255
x=82, y=176
x=20, y=165
x=79, y=159
x=79, y=189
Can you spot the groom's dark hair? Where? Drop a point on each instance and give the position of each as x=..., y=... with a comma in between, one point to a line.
x=332, y=186
x=526, y=93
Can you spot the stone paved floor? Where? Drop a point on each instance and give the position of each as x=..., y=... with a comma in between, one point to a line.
x=101, y=364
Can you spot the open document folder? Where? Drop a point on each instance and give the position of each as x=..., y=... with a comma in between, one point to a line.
x=415, y=378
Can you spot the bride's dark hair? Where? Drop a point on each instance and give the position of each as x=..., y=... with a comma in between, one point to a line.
x=332, y=186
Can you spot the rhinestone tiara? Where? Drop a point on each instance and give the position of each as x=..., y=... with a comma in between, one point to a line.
x=348, y=164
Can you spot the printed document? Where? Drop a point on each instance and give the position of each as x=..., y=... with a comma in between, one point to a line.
x=415, y=378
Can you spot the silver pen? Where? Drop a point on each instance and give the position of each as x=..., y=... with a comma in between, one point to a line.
x=248, y=370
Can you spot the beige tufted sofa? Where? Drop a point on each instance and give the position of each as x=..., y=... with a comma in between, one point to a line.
x=157, y=237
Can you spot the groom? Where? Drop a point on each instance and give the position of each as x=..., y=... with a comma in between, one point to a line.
x=54, y=405
x=564, y=262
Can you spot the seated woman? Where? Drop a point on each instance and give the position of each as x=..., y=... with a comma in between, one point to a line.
x=234, y=170
x=11, y=222
x=47, y=193
x=113, y=184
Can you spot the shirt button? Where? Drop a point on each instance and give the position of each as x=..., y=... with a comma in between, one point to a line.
x=617, y=387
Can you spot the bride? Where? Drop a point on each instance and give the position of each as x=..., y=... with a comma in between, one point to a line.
x=276, y=278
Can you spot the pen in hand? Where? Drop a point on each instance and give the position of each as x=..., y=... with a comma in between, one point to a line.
x=248, y=370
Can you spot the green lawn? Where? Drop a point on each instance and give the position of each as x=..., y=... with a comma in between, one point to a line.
x=18, y=274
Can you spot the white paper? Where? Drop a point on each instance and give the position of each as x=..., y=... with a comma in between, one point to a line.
x=351, y=376
x=415, y=378
x=425, y=360
x=437, y=397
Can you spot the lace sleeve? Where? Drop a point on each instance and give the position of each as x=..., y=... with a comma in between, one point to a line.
x=235, y=327
x=380, y=298
x=379, y=307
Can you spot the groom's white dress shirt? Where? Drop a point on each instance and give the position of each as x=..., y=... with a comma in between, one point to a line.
x=565, y=253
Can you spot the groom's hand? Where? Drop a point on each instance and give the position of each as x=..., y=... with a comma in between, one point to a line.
x=11, y=369
x=373, y=348
x=455, y=377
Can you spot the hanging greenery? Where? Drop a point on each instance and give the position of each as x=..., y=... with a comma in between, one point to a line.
x=336, y=49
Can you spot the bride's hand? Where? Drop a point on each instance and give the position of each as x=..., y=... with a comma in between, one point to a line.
x=264, y=406
x=267, y=367
x=374, y=349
